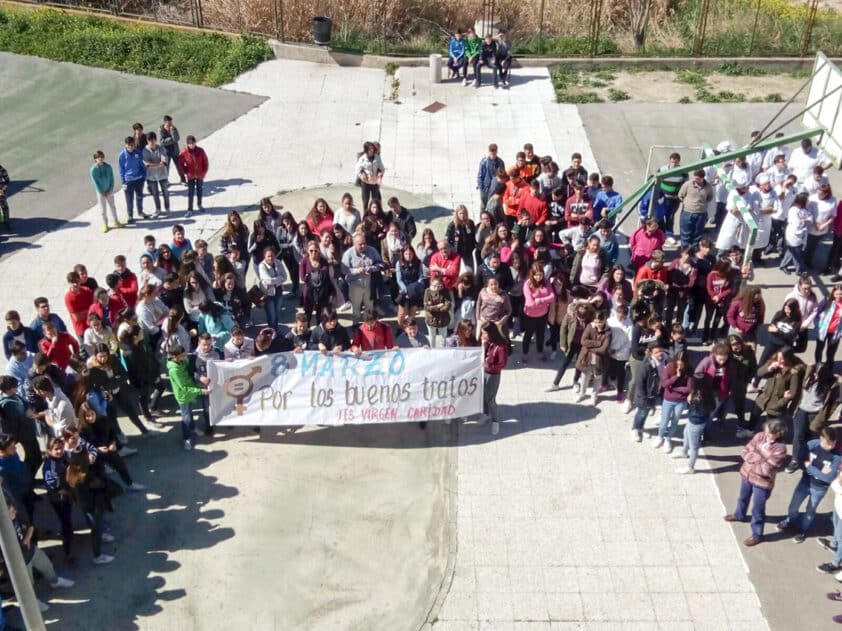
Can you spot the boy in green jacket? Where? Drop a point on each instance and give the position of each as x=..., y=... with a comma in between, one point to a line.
x=472, y=47
x=186, y=391
x=102, y=175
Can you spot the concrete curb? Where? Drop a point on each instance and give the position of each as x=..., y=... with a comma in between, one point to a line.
x=328, y=55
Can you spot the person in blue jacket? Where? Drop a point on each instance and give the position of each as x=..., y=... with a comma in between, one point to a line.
x=456, y=59
x=132, y=175
x=821, y=460
x=17, y=331
x=660, y=206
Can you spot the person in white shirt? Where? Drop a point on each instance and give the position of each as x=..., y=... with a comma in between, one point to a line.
x=239, y=346
x=369, y=172
x=784, y=194
x=797, y=220
x=149, y=273
x=777, y=171
x=59, y=414
x=804, y=158
x=822, y=206
x=271, y=275
x=619, y=349
x=771, y=155
x=732, y=232
x=766, y=198
x=755, y=160
x=816, y=179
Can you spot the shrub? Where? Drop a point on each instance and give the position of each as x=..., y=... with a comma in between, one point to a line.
x=615, y=95
x=203, y=58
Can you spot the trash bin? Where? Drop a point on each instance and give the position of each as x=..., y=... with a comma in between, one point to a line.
x=321, y=30
x=435, y=68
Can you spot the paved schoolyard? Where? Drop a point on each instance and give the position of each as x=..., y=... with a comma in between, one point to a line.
x=558, y=523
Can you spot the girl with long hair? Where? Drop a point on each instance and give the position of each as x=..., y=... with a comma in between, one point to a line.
x=677, y=383
x=496, y=355
x=462, y=235
x=409, y=275
x=718, y=295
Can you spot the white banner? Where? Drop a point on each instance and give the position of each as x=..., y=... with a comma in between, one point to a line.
x=311, y=388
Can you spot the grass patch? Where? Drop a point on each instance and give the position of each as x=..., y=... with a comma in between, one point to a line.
x=704, y=95
x=691, y=77
x=774, y=97
x=684, y=100
x=391, y=68
x=615, y=95
x=579, y=98
x=733, y=69
x=202, y=58
x=570, y=86
x=565, y=46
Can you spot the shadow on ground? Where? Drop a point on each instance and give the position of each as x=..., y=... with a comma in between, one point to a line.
x=149, y=527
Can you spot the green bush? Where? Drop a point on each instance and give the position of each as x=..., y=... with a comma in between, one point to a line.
x=203, y=58
x=615, y=95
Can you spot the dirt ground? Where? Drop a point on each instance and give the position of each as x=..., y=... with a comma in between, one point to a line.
x=662, y=86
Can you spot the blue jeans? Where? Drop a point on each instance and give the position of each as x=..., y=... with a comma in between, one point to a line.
x=691, y=227
x=640, y=417
x=134, y=193
x=670, y=413
x=793, y=256
x=158, y=189
x=194, y=187
x=814, y=494
x=837, y=538
x=188, y=423
x=749, y=491
x=273, y=306
x=693, y=441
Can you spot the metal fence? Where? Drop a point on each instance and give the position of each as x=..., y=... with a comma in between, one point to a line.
x=560, y=27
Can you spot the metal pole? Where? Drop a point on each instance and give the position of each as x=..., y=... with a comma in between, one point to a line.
x=791, y=99
x=809, y=107
x=808, y=32
x=754, y=28
x=24, y=591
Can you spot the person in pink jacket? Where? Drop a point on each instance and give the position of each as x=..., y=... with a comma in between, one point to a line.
x=762, y=457
x=644, y=241
x=538, y=297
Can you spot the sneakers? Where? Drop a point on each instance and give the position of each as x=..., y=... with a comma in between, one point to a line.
x=828, y=568
x=102, y=559
x=685, y=470
x=155, y=426
x=652, y=411
x=345, y=307
x=627, y=406
x=637, y=435
x=465, y=81
x=783, y=526
x=657, y=442
x=581, y=397
x=827, y=544
x=553, y=388
x=495, y=428
x=799, y=538
x=107, y=537
x=188, y=445
x=117, y=224
x=679, y=454
x=134, y=487
x=126, y=451
x=105, y=228
x=667, y=446
x=66, y=582
x=188, y=214
x=576, y=387
x=130, y=221
x=593, y=399
x=792, y=467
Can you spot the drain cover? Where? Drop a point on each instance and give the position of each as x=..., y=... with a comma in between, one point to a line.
x=433, y=107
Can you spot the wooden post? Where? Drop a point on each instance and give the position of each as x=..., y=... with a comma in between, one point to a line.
x=808, y=31
x=701, y=25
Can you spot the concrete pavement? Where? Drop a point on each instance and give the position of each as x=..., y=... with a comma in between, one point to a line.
x=559, y=523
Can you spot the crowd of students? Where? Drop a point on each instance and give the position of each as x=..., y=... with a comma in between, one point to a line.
x=540, y=263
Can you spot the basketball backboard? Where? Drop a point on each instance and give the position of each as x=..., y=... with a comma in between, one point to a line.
x=827, y=80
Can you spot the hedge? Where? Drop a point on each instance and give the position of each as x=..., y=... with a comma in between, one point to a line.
x=202, y=58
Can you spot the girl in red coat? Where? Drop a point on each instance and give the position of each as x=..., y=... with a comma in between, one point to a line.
x=717, y=297
x=194, y=164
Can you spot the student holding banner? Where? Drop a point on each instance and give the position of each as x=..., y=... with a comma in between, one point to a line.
x=496, y=356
